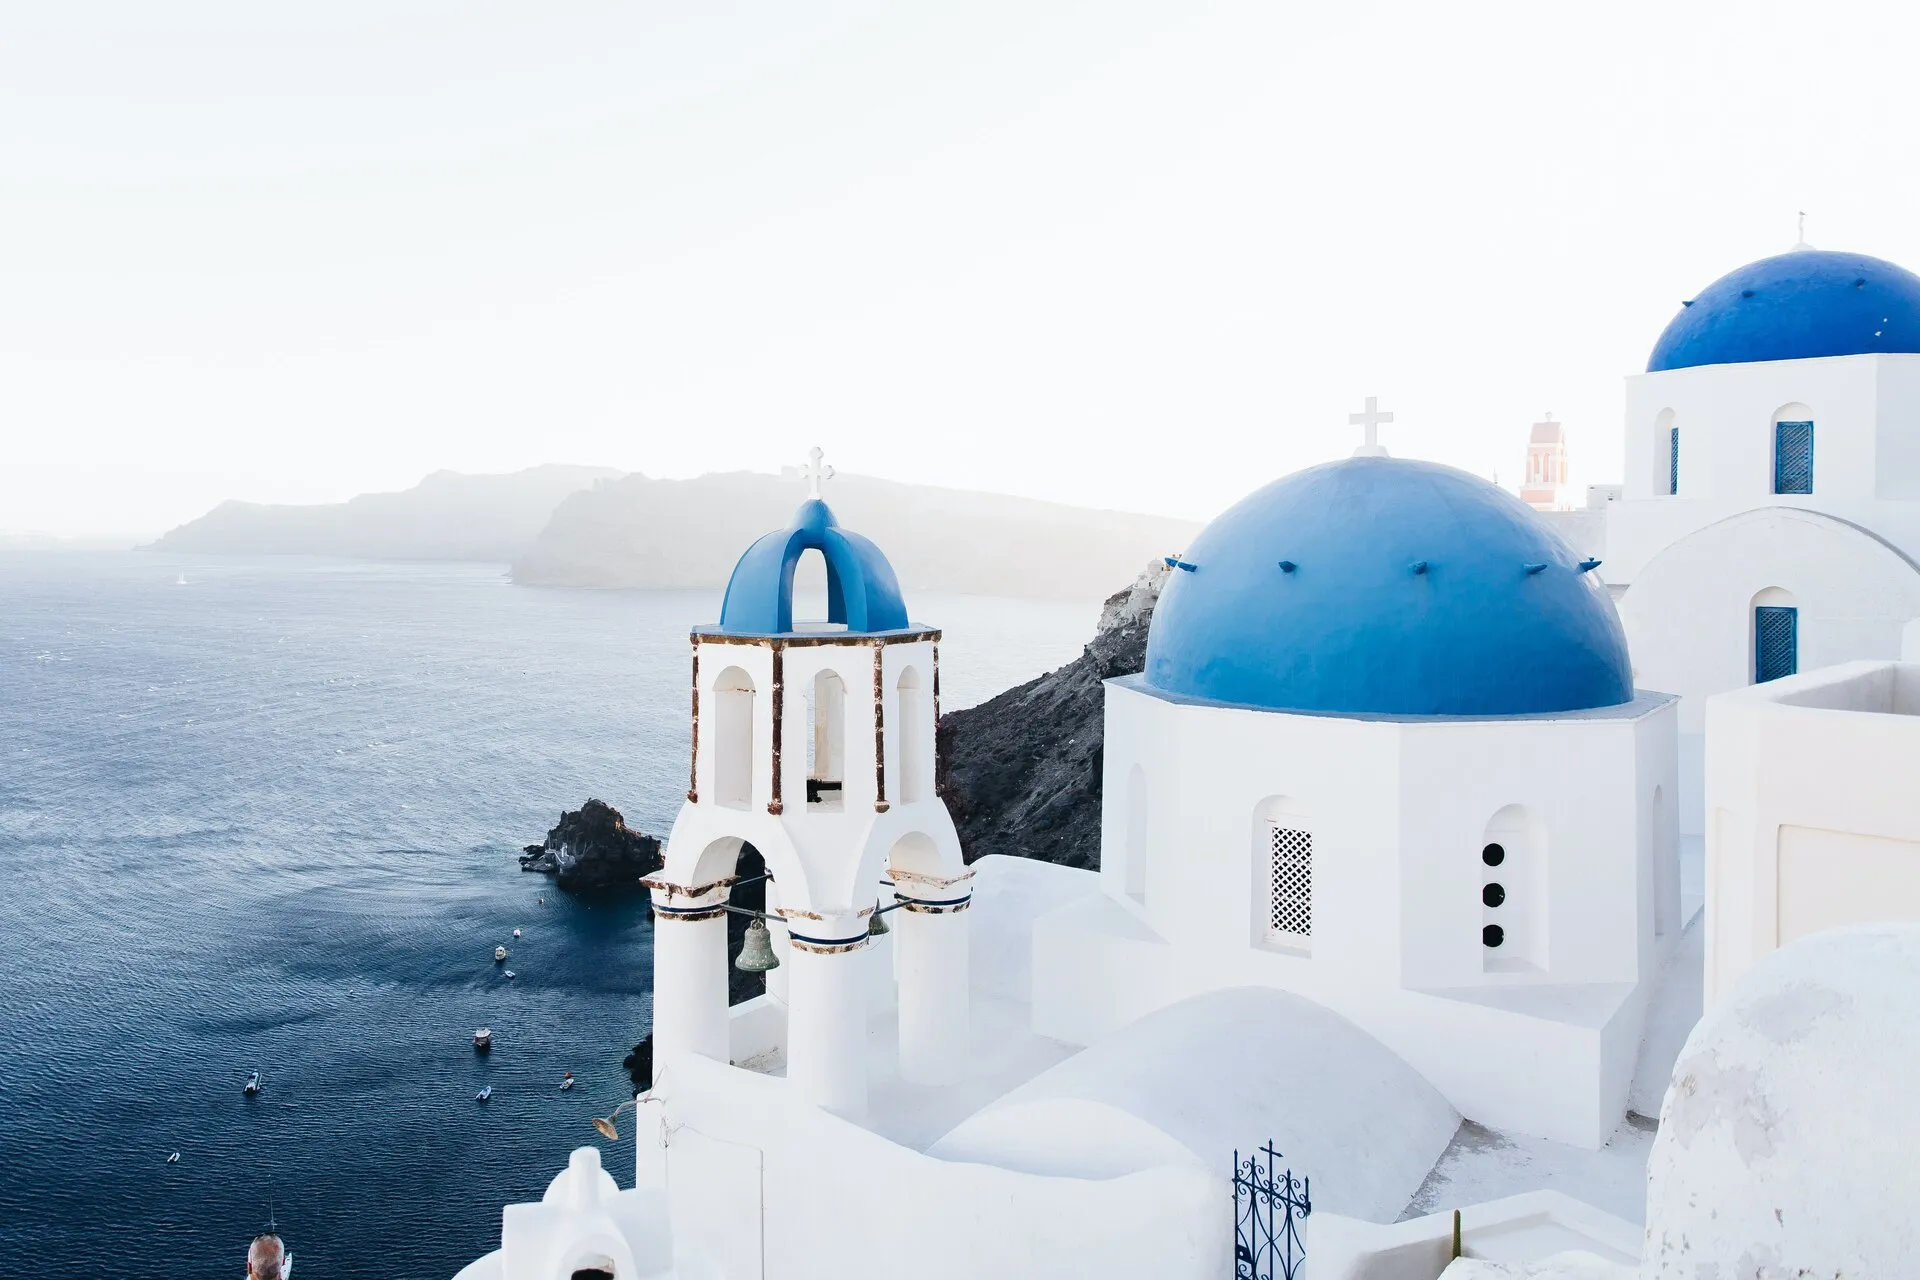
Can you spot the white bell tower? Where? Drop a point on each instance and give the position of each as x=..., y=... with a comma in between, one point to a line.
x=813, y=741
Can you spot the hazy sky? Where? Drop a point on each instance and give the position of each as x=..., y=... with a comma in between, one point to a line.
x=1142, y=255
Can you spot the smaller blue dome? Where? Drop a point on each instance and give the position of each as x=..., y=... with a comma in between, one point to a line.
x=1795, y=306
x=862, y=592
x=1384, y=586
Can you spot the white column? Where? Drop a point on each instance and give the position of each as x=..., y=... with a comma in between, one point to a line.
x=649, y=1153
x=932, y=962
x=827, y=1014
x=689, y=975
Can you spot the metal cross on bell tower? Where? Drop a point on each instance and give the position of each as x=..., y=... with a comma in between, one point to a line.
x=816, y=471
x=1371, y=419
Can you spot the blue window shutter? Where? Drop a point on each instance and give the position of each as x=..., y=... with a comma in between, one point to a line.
x=1673, y=460
x=1793, y=457
x=1776, y=642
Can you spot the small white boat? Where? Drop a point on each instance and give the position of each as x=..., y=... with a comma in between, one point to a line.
x=509, y=973
x=516, y=933
x=499, y=954
x=180, y=581
x=174, y=1158
x=566, y=1082
x=485, y=1093
x=483, y=1040
x=252, y=1086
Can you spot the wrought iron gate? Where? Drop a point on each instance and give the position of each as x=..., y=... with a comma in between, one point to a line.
x=1268, y=1208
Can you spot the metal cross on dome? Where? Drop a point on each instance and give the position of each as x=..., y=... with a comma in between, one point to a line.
x=1371, y=420
x=816, y=471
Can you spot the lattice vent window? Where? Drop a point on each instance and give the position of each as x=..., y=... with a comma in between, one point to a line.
x=1793, y=457
x=1290, y=886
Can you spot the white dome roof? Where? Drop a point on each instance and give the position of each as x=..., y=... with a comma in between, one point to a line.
x=1787, y=1137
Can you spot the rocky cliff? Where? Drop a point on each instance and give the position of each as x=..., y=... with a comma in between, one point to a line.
x=1021, y=774
x=592, y=849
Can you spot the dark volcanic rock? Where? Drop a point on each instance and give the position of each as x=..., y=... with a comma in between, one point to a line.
x=592, y=848
x=1021, y=774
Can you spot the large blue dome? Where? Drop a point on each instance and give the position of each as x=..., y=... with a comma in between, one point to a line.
x=1806, y=303
x=863, y=595
x=1385, y=586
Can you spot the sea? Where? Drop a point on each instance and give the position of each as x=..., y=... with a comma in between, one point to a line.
x=262, y=814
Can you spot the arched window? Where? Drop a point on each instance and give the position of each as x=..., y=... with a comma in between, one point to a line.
x=826, y=740
x=1513, y=893
x=1135, y=865
x=1667, y=436
x=1793, y=449
x=913, y=734
x=1776, y=635
x=811, y=605
x=1282, y=876
x=733, y=738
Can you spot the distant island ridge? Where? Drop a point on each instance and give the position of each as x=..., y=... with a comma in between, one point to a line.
x=447, y=516
x=594, y=527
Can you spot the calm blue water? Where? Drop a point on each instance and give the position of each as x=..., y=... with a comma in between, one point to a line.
x=268, y=819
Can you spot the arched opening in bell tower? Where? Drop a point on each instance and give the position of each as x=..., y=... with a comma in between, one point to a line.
x=913, y=734
x=826, y=741
x=733, y=739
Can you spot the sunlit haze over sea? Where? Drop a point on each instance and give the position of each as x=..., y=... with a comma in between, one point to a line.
x=262, y=814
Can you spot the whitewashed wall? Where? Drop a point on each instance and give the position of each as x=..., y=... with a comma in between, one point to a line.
x=761, y=1185
x=1689, y=615
x=1866, y=454
x=1400, y=812
x=1813, y=810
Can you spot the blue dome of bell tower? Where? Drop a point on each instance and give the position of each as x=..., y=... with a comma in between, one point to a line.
x=863, y=595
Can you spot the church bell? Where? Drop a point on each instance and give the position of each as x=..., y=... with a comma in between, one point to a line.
x=756, y=950
x=877, y=923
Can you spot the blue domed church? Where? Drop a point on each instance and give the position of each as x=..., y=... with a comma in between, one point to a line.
x=1387, y=754
x=1769, y=519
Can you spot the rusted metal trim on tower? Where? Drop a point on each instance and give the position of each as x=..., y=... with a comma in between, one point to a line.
x=826, y=948
x=673, y=890
x=879, y=732
x=687, y=913
x=801, y=913
x=779, y=714
x=693, y=760
x=935, y=908
x=808, y=639
x=902, y=878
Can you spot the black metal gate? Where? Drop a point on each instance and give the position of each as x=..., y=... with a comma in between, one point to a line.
x=1268, y=1207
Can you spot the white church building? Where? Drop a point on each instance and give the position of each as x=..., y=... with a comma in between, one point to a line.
x=1770, y=517
x=1386, y=753
x=1391, y=879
